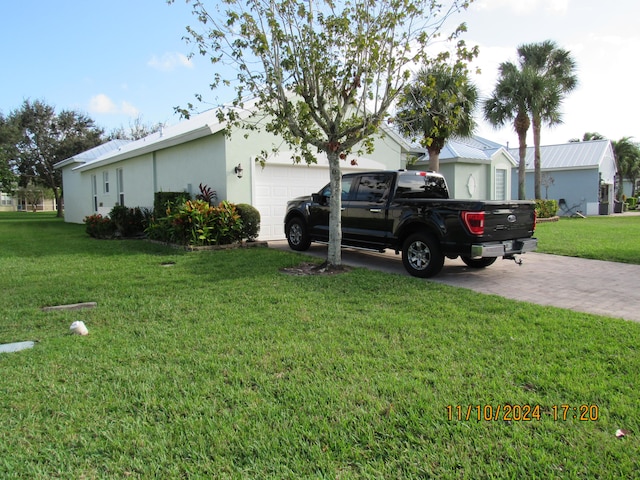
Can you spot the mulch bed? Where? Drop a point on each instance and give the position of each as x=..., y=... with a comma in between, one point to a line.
x=305, y=269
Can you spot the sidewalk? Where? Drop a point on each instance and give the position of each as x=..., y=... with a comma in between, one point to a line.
x=590, y=286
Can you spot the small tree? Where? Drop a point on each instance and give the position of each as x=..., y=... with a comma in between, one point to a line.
x=34, y=196
x=323, y=74
x=547, y=181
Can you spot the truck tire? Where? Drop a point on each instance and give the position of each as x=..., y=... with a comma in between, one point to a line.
x=421, y=255
x=297, y=235
x=479, y=262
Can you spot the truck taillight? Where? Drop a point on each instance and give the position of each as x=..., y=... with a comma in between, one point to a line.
x=474, y=221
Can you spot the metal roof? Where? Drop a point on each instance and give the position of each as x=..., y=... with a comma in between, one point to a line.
x=93, y=153
x=572, y=155
x=458, y=149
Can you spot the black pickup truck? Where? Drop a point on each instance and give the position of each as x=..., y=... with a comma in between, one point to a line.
x=411, y=212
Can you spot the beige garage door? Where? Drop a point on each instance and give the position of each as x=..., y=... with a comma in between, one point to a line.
x=275, y=185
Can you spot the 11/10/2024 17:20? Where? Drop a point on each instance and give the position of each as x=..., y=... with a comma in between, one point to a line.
x=522, y=413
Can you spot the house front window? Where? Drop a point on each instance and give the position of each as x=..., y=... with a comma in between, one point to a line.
x=105, y=182
x=5, y=200
x=501, y=184
x=120, y=186
x=94, y=192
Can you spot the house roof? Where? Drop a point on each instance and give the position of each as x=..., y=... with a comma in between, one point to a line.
x=198, y=126
x=94, y=153
x=572, y=155
x=459, y=149
x=474, y=149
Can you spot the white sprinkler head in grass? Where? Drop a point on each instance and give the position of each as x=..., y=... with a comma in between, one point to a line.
x=79, y=328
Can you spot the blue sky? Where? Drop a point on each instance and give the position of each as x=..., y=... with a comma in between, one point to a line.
x=117, y=60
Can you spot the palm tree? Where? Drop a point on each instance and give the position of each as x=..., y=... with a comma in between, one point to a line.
x=627, y=155
x=554, y=76
x=510, y=102
x=436, y=106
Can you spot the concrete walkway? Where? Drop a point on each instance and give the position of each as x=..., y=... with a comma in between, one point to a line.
x=592, y=286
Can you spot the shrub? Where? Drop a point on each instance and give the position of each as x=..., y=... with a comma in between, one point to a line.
x=165, y=202
x=207, y=194
x=546, y=208
x=632, y=203
x=250, y=221
x=98, y=226
x=198, y=223
x=129, y=222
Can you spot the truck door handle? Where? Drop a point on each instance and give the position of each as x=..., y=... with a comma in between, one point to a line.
x=375, y=210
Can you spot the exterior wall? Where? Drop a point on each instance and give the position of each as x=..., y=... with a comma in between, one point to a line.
x=137, y=181
x=184, y=167
x=467, y=180
x=77, y=194
x=579, y=188
x=503, y=163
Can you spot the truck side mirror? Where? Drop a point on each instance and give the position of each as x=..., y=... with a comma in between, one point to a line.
x=318, y=198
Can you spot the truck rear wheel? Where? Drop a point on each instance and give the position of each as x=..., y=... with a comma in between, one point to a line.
x=297, y=235
x=478, y=262
x=421, y=255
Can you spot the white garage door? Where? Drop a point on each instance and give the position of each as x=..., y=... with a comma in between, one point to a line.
x=275, y=184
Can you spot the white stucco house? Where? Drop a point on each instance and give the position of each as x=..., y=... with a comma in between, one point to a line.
x=195, y=151
x=580, y=175
x=475, y=168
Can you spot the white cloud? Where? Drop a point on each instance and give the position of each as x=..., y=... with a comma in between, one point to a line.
x=169, y=62
x=101, y=103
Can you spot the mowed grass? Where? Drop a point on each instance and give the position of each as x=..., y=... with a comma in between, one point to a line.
x=611, y=238
x=221, y=366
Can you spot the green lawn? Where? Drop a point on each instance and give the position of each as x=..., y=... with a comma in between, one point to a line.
x=220, y=366
x=615, y=238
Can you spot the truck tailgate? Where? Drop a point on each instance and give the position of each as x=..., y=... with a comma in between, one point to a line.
x=505, y=221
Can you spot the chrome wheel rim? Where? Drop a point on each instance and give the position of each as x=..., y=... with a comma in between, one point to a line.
x=418, y=255
x=295, y=234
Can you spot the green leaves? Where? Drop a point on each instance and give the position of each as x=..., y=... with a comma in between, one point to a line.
x=436, y=106
x=345, y=61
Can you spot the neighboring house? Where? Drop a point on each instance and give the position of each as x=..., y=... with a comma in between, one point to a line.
x=629, y=189
x=197, y=151
x=475, y=168
x=7, y=203
x=18, y=202
x=580, y=173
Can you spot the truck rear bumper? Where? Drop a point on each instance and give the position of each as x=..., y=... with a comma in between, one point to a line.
x=501, y=249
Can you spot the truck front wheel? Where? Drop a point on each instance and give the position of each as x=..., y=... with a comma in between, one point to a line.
x=421, y=255
x=478, y=262
x=297, y=235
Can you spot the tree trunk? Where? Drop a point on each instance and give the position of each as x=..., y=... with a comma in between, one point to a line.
x=537, y=179
x=434, y=160
x=58, y=201
x=334, y=253
x=522, y=166
x=521, y=125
